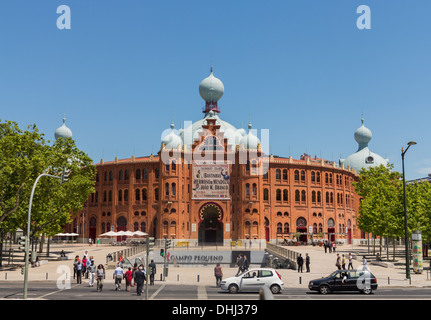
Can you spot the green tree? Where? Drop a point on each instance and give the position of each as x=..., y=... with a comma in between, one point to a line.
x=24, y=155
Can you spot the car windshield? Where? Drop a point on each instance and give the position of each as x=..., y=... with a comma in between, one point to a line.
x=333, y=274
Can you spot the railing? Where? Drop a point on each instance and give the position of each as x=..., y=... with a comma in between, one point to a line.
x=282, y=251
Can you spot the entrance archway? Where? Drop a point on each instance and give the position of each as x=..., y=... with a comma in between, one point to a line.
x=301, y=227
x=92, y=232
x=121, y=226
x=210, y=225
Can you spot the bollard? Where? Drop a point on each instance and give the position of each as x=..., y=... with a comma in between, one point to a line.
x=389, y=281
x=178, y=277
x=198, y=278
x=161, y=277
x=300, y=280
x=5, y=276
x=47, y=276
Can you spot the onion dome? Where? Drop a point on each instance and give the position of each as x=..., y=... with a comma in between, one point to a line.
x=363, y=158
x=172, y=140
x=250, y=141
x=211, y=89
x=363, y=136
x=63, y=131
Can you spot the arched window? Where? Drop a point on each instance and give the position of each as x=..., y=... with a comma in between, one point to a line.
x=284, y=174
x=297, y=195
x=136, y=214
x=319, y=200
x=302, y=176
x=314, y=227
x=137, y=195
x=285, y=195
x=247, y=189
x=318, y=177
x=110, y=175
x=120, y=195
x=313, y=176
x=173, y=229
x=286, y=228
x=110, y=196
x=278, y=174
x=278, y=195
x=167, y=189
x=174, y=189
x=138, y=174
x=156, y=194
x=254, y=189
x=313, y=196
x=279, y=228
x=104, y=196
x=265, y=194
x=135, y=226
x=173, y=165
x=106, y=176
x=320, y=228
x=126, y=175
x=303, y=196
x=145, y=174
x=120, y=175
x=143, y=227
x=279, y=214
x=126, y=195
x=247, y=230
x=144, y=194
x=296, y=175
x=156, y=173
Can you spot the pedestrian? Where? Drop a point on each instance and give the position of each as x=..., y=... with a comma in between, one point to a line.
x=239, y=264
x=139, y=279
x=128, y=276
x=350, y=261
x=300, y=262
x=334, y=246
x=307, y=262
x=118, y=276
x=218, y=273
x=364, y=263
x=325, y=245
x=78, y=268
x=330, y=247
x=245, y=263
x=100, y=276
x=135, y=268
x=74, y=266
x=343, y=262
x=84, y=264
x=152, y=272
x=91, y=273
x=338, y=262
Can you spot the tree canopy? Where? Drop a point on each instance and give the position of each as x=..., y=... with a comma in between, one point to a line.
x=24, y=155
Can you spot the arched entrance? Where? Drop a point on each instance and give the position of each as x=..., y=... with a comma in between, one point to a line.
x=121, y=226
x=210, y=225
x=301, y=227
x=331, y=230
x=92, y=232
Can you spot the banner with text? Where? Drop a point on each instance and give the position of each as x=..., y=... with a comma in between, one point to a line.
x=211, y=181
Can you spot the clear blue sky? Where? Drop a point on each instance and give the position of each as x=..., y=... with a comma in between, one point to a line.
x=301, y=69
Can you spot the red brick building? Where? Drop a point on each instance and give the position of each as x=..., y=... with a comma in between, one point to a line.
x=213, y=183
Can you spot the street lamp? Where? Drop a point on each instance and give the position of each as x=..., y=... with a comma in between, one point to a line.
x=406, y=230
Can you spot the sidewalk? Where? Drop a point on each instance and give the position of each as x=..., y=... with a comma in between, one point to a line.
x=321, y=265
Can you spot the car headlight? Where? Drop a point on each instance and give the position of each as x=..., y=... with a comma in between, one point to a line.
x=311, y=283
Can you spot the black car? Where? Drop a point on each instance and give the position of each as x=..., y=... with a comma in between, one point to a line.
x=345, y=280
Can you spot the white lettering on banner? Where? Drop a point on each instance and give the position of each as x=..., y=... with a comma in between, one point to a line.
x=64, y=21
x=364, y=21
x=210, y=181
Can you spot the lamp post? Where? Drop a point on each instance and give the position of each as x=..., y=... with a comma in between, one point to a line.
x=27, y=239
x=406, y=230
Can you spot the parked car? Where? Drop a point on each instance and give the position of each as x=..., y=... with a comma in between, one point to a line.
x=345, y=280
x=253, y=280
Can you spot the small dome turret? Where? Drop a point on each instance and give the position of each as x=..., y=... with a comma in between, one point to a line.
x=63, y=131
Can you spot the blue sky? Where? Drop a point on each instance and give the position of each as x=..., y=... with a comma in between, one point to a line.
x=301, y=69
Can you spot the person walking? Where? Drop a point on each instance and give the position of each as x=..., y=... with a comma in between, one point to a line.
x=128, y=276
x=300, y=262
x=118, y=276
x=100, y=273
x=139, y=279
x=343, y=262
x=91, y=273
x=334, y=246
x=218, y=273
x=74, y=266
x=325, y=245
x=239, y=261
x=350, y=261
x=338, y=262
x=245, y=263
x=78, y=270
x=364, y=263
x=152, y=272
x=84, y=264
x=307, y=262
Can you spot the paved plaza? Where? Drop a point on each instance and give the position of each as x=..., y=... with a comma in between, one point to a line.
x=322, y=264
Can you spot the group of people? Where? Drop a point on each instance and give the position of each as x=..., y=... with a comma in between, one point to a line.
x=300, y=262
x=135, y=276
x=242, y=263
x=329, y=246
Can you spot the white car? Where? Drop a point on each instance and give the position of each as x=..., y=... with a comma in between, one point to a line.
x=253, y=280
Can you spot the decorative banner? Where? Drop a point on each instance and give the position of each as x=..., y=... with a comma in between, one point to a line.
x=211, y=181
x=417, y=252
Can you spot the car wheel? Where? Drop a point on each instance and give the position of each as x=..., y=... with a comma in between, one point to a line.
x=324, y=289
x=233, y=288
x=367, y=290
x=275, y=288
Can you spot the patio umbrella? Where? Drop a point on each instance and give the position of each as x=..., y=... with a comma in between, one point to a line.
x=109, y=234
x=140, y=233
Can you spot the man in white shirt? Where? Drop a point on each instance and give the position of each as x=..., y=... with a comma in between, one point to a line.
x=118, y=276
